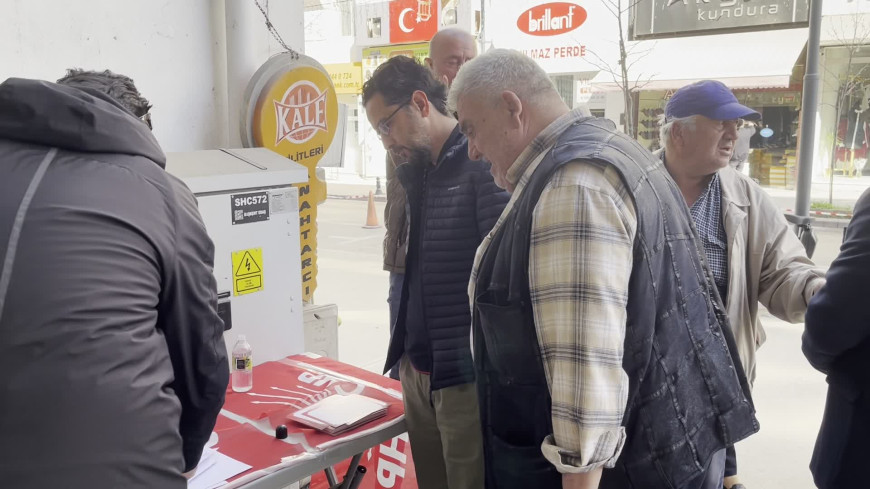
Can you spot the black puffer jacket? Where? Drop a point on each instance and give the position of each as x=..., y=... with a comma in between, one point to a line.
x=451, y=207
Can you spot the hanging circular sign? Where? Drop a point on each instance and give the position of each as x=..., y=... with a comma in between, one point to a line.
x=766, y=132
x=291, y=108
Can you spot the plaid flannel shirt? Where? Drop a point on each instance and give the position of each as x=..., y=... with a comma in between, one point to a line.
x=707, y=214
x=580, y=263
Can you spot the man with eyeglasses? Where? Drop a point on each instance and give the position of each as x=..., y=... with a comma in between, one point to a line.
x=752, y=252
x=449, y=49
x=452, y=204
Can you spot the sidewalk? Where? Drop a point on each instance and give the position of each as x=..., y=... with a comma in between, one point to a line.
x=354, y=187
x=845, y=192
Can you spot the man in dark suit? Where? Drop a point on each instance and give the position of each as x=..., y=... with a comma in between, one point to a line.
x=837, y=342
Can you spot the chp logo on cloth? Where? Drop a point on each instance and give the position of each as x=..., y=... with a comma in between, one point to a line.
x=551, y=19
x=413, y=20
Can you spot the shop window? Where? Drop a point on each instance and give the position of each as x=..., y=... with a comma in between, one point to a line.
x=449, y=16
x=565, y=86
x=448, y=12
x=374, y=27
x=848, y=72
x=597, y=112
x=772, y=155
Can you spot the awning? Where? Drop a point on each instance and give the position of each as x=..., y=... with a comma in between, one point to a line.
x=762, y=59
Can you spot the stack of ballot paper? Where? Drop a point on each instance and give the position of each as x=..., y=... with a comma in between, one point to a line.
x=337, y=413
x=214, y=469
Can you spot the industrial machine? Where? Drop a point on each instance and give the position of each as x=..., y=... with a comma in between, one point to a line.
x=251, y=212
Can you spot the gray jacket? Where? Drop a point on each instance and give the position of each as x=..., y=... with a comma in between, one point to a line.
x=766, y=263
x=114, y=365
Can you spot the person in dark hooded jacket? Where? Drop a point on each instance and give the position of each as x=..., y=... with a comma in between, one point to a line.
x=115, y=367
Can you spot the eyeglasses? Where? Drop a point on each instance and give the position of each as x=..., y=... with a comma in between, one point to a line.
x=738, y=123
x=722, y=125
x=383, y=129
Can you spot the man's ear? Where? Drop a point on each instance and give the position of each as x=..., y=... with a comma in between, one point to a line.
x=679, y=133
x=421, y=101
x=677, y=130
x=429, y=63
x=513, y=104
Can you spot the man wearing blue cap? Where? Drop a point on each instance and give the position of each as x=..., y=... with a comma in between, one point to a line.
x=753, y=254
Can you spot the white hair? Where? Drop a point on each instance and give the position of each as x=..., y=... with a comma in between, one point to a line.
x=666, y=126
x=497, y=70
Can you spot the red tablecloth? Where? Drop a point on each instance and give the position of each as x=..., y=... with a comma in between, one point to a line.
x=245, y=429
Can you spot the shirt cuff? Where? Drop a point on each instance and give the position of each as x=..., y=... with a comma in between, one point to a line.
x=815, y=286
x=606, y=453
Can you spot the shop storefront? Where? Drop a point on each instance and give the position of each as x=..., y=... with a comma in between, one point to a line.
x=376, y=56
x=845, y=111
x=780, y=110
x=764, y=69
x=773, y=146
x=385, y=29
x=773, y=156
x=347, y=80
x=843, y=119
x=572, y=41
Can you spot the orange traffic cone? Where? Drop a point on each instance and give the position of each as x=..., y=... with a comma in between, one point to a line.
x=372, y=217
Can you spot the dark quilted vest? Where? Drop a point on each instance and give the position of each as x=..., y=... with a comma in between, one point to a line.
x=688, y=396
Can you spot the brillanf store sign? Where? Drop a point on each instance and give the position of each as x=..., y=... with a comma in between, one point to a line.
x=551, y=19
x=562, y=37
x=651, y=19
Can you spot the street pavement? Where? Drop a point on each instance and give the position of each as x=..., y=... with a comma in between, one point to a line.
x=788, y=393
x=842, y=192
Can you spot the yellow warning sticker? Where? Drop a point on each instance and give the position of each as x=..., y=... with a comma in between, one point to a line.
x=247, y=271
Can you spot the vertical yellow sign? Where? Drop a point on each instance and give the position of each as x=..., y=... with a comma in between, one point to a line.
x=295, y=114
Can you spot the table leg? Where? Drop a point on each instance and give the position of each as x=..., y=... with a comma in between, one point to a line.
x=331, y=478
x=351, y=471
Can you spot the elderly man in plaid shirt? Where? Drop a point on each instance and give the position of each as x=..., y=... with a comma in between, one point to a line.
x=753, y=254
x=603, y=358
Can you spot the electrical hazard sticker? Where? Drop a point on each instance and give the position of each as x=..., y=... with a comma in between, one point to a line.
x=247, y=271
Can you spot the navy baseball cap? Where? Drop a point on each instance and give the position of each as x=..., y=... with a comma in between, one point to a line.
x=709, y=98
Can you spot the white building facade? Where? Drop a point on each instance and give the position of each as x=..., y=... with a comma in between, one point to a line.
x=191, y=59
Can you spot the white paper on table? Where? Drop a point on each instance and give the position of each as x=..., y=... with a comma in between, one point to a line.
x=214, y=469
x=339, y=410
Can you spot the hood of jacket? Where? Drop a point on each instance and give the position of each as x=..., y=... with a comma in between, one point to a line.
x=85, y=120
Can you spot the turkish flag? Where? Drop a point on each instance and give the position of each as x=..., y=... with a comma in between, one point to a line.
x=413, y=20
